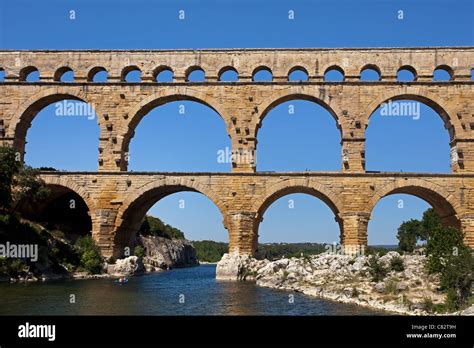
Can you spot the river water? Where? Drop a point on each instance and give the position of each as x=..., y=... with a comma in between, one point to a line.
x=186, y=291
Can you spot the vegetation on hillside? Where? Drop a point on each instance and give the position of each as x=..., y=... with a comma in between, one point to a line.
x=18, y=183
x=152, y=226
x=210, y=251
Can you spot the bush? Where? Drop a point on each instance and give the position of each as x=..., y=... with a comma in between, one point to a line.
x=428, y=305
x=442, y=244
x=391, y=287
x=396, y=264
x=453, y=260
x=139, y=251
x=90, y=258
x=376, y=269
x=355, y=292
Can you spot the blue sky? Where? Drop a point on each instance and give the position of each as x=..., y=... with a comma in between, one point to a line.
x=168, y=140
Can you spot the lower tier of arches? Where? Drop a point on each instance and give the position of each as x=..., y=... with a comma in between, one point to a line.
x=118, y=202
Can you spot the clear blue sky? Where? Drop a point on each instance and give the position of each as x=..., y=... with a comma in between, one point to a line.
x=167, y=140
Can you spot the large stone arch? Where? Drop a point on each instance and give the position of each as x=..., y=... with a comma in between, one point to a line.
x=73, y=186
x=24, y=115
x=443, y=202
x=138, y=202
x=140, y=110
x=298, y=93
x=296, y=185
x=416, y=94
x=56, y=208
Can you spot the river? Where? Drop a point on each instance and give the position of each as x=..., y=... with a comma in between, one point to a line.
x=186, y=291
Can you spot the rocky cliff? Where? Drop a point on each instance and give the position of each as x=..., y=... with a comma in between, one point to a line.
x=162, y=253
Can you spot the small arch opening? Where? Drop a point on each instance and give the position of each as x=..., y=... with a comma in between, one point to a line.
x=30, y=74
x=195, y=74
x=98, y=74
x=64, y=74
x=406, y=74
x=298, y=74
x=2, y=75
x=443, y=73
x=334, y=74
x=131, y=74
x=370, y=73
x=163, y=75
x=228, y=74
x=262, y=74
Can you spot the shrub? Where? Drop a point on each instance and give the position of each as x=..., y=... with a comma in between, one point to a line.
x=355, y=292
x=428, y=304
x=396, y=264
x=90, y=258
x=139, y=251
x=391, y=287
x=376, y=269
x=453, y=260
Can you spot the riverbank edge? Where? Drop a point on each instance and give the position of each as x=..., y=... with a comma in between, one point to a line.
x=242, y=268
x=335, y=297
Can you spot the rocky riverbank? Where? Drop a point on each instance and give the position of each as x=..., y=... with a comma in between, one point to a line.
x=159, y=254
x=403, y=285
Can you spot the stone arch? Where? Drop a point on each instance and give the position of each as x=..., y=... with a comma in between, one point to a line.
x=297, y=185
x=24, y=72
x=371, y=67
x=71, y=185
x=226, y=69
x=157, y=71
x=410, y=69
x=442, y=201
x=447, y=69
x=138, y=202
x=21, y=121
x=262, y=68
x=93, y=71
x=451, y=124
x=298, y=68
x=179, y=94
x=334, y=68
x=127, y=70
x=192, y=69
x=290, y=94
x=58, y=74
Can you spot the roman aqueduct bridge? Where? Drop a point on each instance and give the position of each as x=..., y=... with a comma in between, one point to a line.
x=118, y=199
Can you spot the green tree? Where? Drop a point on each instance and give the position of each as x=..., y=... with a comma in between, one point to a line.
x=139, y=251
x=18, y=181
x=453, y=260
x=430, y=221
x=442, y=244
x=408, y=234
x=412, y=232
x=8, y=168
x=89, y=254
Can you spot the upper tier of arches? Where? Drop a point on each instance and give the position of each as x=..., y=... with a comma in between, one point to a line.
x=423, y=64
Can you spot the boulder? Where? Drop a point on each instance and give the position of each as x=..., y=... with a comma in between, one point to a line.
x=237, y=267
x=402, y=286
x=380, y=287
x=128, y=266
x=162, y=253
